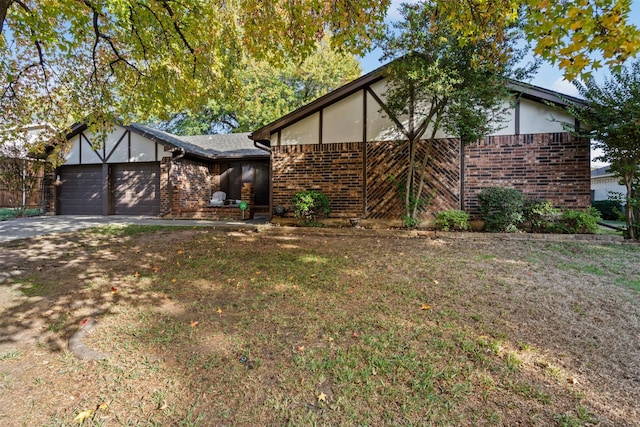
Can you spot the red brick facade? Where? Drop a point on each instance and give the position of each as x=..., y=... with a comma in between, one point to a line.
x=553, y=167
x=190, y=182
x=334, y=169
x=550, y=166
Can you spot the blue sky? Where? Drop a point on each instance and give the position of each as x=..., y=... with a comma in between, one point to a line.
x=548, y=76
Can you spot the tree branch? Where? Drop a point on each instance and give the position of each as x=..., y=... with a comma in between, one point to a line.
x=99, y=35
x=167, y=7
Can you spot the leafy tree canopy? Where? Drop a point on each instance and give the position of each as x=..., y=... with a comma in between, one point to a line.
x=567, y=33
x=268, y=92
x=65, y=60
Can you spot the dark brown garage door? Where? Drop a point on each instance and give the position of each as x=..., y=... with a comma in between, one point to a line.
x=80, y=190
x=136, y=188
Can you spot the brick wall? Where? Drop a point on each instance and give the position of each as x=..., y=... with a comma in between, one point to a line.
x=552, y=166
x=165, y=186
x=190, y=182
x=334, y=169
x=442, y=179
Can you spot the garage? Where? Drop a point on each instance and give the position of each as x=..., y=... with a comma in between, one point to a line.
x=136, y=188
x=80, y=190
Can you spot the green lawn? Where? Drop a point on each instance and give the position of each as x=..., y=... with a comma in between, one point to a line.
x=331, y=327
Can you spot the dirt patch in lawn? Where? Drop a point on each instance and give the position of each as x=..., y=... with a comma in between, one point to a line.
x=204, y=327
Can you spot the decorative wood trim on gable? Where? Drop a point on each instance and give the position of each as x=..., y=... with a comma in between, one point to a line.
x=119, y=150
x=117, y=144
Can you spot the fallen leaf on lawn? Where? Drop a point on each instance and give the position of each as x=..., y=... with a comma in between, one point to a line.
x=194, y=324
x=322, y=397
x=180, y=251
x=174, y=280
x=83, y=416
x=136, y=274
x=436, y=282
x=219, y=310
x=354, y=335
x=425, y=307
x=257, y=273
x=155, y=269
x=104, y=406
x=300, y=348
x=114, y=289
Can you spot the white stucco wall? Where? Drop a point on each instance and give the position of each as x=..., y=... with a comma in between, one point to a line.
x=305, y=131
x=343, y=120
x=118, y=148
x=536, y=117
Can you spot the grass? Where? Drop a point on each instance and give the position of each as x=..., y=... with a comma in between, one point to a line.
x=208, y=328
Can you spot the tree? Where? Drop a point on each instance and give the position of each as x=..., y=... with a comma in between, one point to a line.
x=566, y=33
x=20, y=170
x=611, y=118
x=437, y=84
x=66, y=60
x=62, y=61
x=268, y=92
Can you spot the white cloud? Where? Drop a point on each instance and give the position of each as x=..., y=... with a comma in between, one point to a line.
x=563, y=86
x=393, y=13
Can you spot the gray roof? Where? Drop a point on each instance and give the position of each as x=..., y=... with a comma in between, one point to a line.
x=219, y=146
x=232, y=145
x=600, y=171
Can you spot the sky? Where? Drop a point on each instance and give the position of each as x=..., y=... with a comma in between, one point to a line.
x=548, y=76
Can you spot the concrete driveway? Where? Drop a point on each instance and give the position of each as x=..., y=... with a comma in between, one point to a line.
x=22, y=228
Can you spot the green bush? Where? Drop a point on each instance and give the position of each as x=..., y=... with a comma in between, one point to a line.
x=541, y=215
x=578, y=222
x=501, y=208
x=452, y=220
x=309, y=206
x=609, y=209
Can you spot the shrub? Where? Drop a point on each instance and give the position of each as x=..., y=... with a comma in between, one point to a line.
x=309, y=206
x=453, y=219
x=501, y=208
x=578, y=222
x=541, y=215
x=609, y=209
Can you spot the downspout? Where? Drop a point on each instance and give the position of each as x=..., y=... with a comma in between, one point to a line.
x=170, y=189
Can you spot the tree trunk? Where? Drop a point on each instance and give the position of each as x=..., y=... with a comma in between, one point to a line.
x=4, y=7
x=629, y=214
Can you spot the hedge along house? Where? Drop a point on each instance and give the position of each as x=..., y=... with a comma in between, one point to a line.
x=345, y=146
x=138, y=170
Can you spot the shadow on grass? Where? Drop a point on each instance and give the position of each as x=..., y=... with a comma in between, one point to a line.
x=245, y=328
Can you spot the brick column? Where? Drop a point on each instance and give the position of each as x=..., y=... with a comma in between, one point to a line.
x=246, y=194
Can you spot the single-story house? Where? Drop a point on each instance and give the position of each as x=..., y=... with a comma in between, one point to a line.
x=605, y=184
x=138, y=170
x=344, y=145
